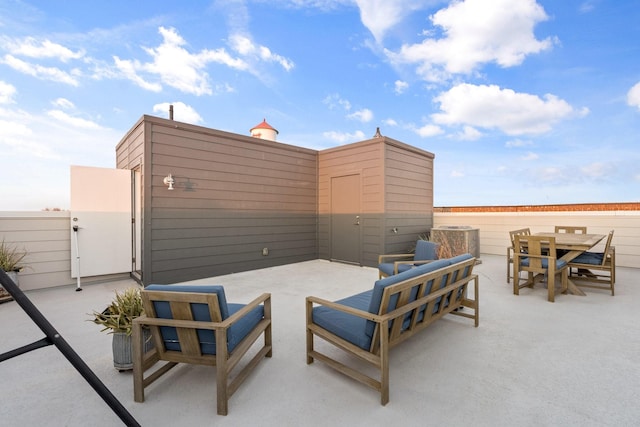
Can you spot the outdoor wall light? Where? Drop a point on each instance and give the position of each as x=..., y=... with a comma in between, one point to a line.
x=168, y=180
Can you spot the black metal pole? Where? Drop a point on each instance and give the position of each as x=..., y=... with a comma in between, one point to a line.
x=53, y=337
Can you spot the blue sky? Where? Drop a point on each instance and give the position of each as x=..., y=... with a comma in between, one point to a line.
x=522, y=102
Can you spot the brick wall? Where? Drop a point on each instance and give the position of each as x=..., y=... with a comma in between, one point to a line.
x=579, y=207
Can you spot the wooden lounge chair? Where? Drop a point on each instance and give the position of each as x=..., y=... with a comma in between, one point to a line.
x=529, y=255
x=426, y=252
x=603, y=262
x=188, y=323
x=510, y=249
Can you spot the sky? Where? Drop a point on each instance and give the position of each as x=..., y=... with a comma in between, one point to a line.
x=521, y=101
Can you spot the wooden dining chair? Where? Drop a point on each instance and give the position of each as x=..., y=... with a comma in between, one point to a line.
x=570, y=229
x=603, y=262
x=510, y=249
x=529, y=255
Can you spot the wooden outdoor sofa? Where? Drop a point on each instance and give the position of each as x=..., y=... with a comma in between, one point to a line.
x=367, y=325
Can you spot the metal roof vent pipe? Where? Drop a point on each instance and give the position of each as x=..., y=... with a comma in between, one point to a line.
x=170, y=111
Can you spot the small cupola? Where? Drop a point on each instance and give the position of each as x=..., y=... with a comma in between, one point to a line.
x=264, y=131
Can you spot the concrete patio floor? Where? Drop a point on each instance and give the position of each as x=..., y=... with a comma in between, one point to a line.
x=575, y=362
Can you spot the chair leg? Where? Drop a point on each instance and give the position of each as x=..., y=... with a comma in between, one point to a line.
x=551, y=286
x=222, y=376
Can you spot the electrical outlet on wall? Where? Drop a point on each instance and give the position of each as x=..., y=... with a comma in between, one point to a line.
x=265, y=251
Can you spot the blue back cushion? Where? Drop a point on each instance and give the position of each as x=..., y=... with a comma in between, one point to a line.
x=380, y=285
x=425, y=250
x=200, y=311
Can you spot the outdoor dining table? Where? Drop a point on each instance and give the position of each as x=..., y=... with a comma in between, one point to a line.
x=574, y=244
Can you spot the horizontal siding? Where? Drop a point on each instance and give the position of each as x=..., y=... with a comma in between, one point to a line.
x=233, y=196
x=45, y=236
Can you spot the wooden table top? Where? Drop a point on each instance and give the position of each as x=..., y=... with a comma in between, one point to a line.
x=574, y=240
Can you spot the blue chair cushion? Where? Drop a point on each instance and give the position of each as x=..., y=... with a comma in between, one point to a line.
x=593, y=258
x=345, y=325
x=545, y=263
x=235, y=334
x=425, y=250
x=387, y=268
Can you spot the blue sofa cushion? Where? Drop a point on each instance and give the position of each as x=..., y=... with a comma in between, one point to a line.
x=593, y=258
x=345, y=325
x=387, y=268
x=235, y=334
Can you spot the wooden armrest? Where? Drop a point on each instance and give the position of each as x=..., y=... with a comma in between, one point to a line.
x=381, y=258
x=264, y=298
x=344, y=308
x=424, y=261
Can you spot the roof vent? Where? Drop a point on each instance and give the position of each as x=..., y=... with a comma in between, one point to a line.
x=264, y=131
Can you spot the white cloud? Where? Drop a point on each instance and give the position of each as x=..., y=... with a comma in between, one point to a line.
x=128, y=70
x=491, y=107
x=181, y=112
x=633, y=96
x=429, y=130
x=344, y=137
x=596, y=170
x=63, y=103
x=7, y=91
x=76, y=122
x=39, y=71
x=517, y=143
x=400, y=86
x=245, y=47
x=334, y=101
x=32, y=48
x=476, y=32
x=469, y=133
x=530, y=156
x=390, y=122
x=365, y=115
x=381, y=15
x=456, y=174
x=175, y=66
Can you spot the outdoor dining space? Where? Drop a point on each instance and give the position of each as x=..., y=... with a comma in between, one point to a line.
x=527, y=363
x=564, y=252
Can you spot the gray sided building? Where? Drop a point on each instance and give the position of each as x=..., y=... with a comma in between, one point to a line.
x=242, y=203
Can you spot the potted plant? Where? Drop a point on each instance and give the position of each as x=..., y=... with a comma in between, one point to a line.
x=11, y=263
x=117, y=319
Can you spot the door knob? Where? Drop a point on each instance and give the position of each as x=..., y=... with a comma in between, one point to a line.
x=357, y=220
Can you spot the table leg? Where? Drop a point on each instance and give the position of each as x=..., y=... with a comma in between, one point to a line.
x=571, y=286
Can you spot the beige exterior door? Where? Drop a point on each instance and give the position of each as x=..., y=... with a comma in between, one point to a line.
x=101, y=211
x=345, y=219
